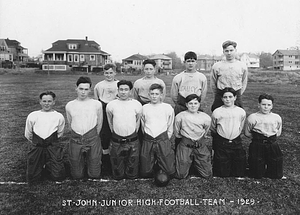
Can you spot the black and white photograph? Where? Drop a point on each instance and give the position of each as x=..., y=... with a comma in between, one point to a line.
x=149, y=107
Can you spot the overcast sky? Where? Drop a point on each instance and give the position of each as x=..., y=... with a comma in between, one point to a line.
x=126, y=27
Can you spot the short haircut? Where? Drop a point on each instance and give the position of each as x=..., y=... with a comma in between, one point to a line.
x=125, y=82
x=50, y=93
x=110, y=66
x=265, y=96
x=190, y=55
x=192, y=97
x=84, y=80
x=149, y=61
x=228, y=89
x=229, y=43
x=156, y=86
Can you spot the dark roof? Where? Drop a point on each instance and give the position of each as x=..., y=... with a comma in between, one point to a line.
x=136, y=57
x=288, y=52
x=12, y=42
x=83, y=46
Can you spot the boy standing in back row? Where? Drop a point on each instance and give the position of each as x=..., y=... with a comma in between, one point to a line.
x=43, y=128
x=142, y=85
x=265, y=156
x=106, y=91
x=85, y=118
x=230, y=73
x=190, y=81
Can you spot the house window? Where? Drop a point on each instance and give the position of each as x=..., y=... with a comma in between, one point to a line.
x=81, y=57
x=76, y=58
x=73, y=46
x=70, y=58
x=92, y=57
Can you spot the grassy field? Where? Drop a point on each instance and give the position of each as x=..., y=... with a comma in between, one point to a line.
x=19, y=96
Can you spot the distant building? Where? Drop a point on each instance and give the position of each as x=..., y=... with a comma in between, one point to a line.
x=251, y=60
x=75, y=54
x=134, y=61
x=205, y=62
x=11, y=50
x=162, y=61
x=286, y=60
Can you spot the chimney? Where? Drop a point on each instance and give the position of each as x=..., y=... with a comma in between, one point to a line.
x=86, y=41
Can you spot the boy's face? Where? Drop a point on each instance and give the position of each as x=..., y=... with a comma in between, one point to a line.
x=149, y=70
x=83, y=91
x=155, y=96
x=228, y=99
x=190, y=64
x=265, y=106
x=47, y=102
x=124, y=92
x=193, y=106
x=109, y=74
x=229, y=52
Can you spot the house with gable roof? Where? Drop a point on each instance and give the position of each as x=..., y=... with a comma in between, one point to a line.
x=251, y=60
x=286, y=60
x=162, y=61
x=205, y=62
x=74, y=54
x=12, y=51
x=134, y=61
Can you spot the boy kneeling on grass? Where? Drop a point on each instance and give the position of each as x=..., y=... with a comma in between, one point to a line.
x=226, y=127
x=265, y=156
x=85, y=119
x=192, y=125
x=123, y=116
x=43, y=128
x=157, y=124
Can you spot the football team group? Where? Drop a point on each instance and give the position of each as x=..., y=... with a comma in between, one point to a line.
x=127, y=130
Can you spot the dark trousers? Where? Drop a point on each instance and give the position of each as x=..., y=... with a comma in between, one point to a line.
x=124, y=156
x=85, y=149
x=46, y=153
x=105, y=133
x=229, y=157
x=218, y=100
x=160, y=150
x=188, y=151
x=265, y=157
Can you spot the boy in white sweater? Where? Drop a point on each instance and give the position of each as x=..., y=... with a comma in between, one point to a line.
x=43, y=129
x=226, y=127
x=265, y=156
x=85, y=117
x=191, y=126
x=123, y=115
x=106, y=91
x=157, y=125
